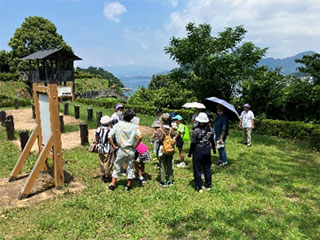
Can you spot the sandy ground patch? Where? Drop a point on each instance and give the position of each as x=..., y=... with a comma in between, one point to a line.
x=23, y=119
x=43, y=189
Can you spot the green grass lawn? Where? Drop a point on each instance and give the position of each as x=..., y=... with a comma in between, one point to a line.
x=269, y=191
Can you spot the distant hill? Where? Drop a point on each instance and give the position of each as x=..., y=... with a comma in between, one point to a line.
x=289, y=66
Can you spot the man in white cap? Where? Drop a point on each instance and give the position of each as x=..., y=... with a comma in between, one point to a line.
x=247, y=124
x=106, y=151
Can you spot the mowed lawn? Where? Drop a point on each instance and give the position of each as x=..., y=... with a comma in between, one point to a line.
x=269, y=191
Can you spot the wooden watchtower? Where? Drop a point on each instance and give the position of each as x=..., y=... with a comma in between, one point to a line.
x=53, y=64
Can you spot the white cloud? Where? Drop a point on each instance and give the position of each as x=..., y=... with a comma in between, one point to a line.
x=286, y=26
x=113, y=11
x=174, y=3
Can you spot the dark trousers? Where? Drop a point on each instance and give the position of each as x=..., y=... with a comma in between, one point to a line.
x=202, y=164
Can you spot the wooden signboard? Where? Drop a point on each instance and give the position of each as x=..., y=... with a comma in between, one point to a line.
x=48, y=134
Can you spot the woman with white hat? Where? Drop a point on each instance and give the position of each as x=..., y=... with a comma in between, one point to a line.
x=117, y=115
x=106, y=151
x=202, y=141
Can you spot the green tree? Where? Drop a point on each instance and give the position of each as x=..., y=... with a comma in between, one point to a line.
x=219, y=63
x=312, y=66
x=35, y=34
x=4, y=61
x=265, y=93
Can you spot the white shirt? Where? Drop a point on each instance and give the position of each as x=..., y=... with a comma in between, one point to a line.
x=247, y=118
x=116, y=116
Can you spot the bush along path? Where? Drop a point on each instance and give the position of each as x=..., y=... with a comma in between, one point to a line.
x=269, y=191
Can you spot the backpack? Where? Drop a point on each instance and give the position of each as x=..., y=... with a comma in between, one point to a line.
x=168, y=143
x=186, y=136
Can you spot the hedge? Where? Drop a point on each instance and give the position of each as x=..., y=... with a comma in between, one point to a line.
x=10, y=102
x=285, y=129
x=111, y=102
x=5, y=77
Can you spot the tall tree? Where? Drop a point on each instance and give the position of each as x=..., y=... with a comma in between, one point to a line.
x=36, y=33
x=312, y=66
x=218, y=63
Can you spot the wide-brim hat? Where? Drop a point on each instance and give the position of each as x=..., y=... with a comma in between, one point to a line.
x=156, y=124
x=105, y=120
x=202, y=118
x=165, y=118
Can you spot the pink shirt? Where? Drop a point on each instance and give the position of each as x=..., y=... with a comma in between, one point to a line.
x=142, y=148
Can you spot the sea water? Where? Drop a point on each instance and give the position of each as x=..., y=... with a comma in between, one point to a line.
x=134, y=83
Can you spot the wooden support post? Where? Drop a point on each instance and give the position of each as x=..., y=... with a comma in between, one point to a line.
x=33, y=112
x=24, y=137
x=98, y=116
x=24, y=154
x=84, y=133
x=2, y=117
x=16, y=103
x=61, y=124
x=66, y=109
x=90, y=113
x=36, y=169
x=56, y=134
x=76, y=112
x=9, y=127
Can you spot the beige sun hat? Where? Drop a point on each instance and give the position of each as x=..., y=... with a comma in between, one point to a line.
x=202, y=118
x=105, y=120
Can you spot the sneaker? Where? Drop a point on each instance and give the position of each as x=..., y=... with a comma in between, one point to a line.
x=249, y=145
x=170, y=183
x=128, y=188
x=111, y=187
x=162, y=184
x=219, y=162
x=181, y=165
x=200, y=190
x=223, y=165
x=104, y=179
x=207, y=188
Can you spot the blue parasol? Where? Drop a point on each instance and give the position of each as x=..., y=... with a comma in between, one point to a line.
x=211, y=102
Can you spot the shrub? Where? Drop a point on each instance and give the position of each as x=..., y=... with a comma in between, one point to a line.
x=22, y=102
x=4, y=77
x=315, y=139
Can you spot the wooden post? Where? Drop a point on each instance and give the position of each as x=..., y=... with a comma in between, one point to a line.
x=84, y=133
x=33, y=112
x=99, y=116
x=2, y=117
x=16, y=103
x=77, y=112
x=66, y=109
x=9, y=127
x=61, y=124
x=24, y=137
x=90, y=113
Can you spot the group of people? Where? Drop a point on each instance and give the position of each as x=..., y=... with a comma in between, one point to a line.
x=121, y=148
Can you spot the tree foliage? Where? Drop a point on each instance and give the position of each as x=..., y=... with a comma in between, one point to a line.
x=113, y=80
x=312, y=66
x=35, y=34
x=218, y=63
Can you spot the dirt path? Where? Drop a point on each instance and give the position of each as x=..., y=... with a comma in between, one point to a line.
x=23, y=119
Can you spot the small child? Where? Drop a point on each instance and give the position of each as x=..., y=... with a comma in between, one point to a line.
x=156, y=125
x=181, y=131
x=106, y=151
x=141, y=157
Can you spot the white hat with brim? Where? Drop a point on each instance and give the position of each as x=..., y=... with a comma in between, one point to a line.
x=202, y=118
x=105, y=120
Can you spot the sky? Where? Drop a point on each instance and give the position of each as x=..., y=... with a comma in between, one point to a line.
x=130, y=35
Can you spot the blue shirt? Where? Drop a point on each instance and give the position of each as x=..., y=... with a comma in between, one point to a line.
x=221, y=124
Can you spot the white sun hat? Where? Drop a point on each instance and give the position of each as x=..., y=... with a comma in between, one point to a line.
x=202, y=118
x=105, y=120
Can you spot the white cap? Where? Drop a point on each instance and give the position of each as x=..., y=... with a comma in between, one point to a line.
x=202, y=118
x=105, y=120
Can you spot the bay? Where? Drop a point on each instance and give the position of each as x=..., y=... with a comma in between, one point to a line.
x=134, y=82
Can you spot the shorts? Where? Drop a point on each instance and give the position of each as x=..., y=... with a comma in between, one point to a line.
x=179, y=142
x=144, y=157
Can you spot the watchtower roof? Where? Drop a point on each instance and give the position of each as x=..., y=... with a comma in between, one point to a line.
x=55, y=53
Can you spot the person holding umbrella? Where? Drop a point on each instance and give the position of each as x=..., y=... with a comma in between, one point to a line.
x=247, y=124
x=221, y=128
